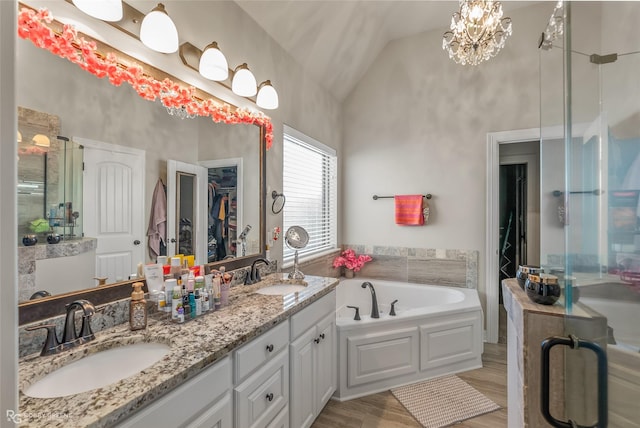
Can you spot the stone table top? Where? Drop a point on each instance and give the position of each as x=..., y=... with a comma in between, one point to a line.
x=195, y=345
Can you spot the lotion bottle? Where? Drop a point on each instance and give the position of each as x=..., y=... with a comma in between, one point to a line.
x=137, y=308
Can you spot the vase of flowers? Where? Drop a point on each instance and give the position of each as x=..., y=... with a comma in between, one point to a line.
x=351, y=262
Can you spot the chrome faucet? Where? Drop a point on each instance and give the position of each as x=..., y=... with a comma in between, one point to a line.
x=254, y=273
x=70, y=337
x=374, y=299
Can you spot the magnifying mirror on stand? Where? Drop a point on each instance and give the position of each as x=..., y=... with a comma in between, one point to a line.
x=296, y=238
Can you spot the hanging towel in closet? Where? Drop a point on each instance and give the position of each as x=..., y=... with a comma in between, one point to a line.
x=157, y=231
x=409, y=210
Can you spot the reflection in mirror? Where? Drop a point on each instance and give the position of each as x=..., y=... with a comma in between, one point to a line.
x=52, y=84
x=225, y=208
x=186, y=213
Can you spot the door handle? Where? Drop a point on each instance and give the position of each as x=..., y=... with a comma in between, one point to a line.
x=172, y=240
x=136, y=242
x=574, y=343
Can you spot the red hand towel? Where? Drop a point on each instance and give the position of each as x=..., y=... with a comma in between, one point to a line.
x=409, y=209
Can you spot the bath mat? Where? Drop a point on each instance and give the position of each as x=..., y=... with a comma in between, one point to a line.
x=443, y=401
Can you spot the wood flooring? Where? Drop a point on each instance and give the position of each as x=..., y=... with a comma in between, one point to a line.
x=383, y=410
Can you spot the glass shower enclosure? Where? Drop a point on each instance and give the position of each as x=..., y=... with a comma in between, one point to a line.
x=590, y=210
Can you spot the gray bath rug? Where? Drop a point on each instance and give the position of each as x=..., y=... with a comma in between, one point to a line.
x=443, y=401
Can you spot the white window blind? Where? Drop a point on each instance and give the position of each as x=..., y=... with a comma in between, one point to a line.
x=310, y=186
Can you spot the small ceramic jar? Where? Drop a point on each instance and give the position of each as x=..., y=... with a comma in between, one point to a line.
x=543, y=288
x=29, y=240
x=53, y=238
x=524, y=271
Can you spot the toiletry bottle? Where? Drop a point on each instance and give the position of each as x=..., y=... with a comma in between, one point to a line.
x=201, y=290
x=185, y=303
x=191, y=282
x=176, y=270
x=169, y=286
x=137, y=308
x=198, y=301
x=224, y=287
x=216, y=290
x=180, y=315
x=176, y=302
x=192, y=304
x=184, y=272
x=162, y=302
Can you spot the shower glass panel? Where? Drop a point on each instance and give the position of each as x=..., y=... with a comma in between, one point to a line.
x=590, y=169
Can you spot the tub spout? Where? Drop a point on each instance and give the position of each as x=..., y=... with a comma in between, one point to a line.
x=374, y=301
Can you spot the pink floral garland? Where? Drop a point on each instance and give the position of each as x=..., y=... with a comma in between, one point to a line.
x=31, y=25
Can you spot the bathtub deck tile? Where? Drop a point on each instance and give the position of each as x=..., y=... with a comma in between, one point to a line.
x=438, y=271
x=386, y=267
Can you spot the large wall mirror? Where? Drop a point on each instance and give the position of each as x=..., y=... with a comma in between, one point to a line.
x=116, y=120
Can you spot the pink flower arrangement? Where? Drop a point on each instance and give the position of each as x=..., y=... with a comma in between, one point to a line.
x=34, y=26
x=350, y=260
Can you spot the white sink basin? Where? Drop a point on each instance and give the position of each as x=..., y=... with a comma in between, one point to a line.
x=98, y=370
x=280, y=289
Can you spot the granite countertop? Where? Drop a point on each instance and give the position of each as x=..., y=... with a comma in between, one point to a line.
x=195, y=345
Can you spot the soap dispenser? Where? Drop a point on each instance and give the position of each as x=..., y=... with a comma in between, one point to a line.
x=137, y=308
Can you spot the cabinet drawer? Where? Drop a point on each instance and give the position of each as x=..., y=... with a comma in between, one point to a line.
x=263, y=395
x=260, y=350
x=193, y=398
x=311, y=315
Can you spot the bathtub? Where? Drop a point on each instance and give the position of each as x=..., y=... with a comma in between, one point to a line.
x=436, y=331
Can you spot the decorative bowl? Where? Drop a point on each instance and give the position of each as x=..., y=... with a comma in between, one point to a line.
x=543, y=288
x=54, y=238
x=29, y=240
x=524, y=271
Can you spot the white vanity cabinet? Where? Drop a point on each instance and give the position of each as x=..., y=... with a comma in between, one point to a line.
x=202, y=402
x=313, y=360
x=261, y=368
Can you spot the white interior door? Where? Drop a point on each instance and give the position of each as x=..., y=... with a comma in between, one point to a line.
x=113, y=205
x=175, y=170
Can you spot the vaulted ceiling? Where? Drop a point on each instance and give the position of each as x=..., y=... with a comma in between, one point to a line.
x=336, y=41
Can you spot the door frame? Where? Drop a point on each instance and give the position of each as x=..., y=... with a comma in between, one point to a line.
x=492, y=226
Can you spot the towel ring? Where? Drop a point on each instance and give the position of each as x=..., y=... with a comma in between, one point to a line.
x=278, y=202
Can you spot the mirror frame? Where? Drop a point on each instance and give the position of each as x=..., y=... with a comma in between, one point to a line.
x=47, y=307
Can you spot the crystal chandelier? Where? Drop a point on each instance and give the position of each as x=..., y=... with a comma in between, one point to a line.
x=180, y=111
x=555, y=27
x=478, y=32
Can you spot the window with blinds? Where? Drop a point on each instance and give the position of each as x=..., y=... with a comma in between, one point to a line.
x=310, y=185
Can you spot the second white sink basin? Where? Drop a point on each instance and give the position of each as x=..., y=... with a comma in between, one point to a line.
x=98, y=370
x=280, y=289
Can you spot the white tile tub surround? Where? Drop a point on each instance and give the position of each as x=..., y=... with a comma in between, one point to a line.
x=437, y=330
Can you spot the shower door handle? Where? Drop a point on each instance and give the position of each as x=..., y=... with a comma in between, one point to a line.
x=574, y=343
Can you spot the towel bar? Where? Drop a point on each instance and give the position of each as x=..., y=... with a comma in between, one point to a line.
x=376, y=197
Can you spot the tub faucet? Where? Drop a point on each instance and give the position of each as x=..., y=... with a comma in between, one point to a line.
x=374, y=300
x=254, y=273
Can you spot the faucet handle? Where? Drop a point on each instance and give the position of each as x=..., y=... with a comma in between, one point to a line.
x=85, y=332
x=357, y=316
x=51, y=343
x=392, y=312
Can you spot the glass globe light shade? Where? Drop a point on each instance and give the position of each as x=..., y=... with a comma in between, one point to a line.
x=106, y=10
x=244, y=83
x=267, y=96
x=213, y=64
x=158, y=32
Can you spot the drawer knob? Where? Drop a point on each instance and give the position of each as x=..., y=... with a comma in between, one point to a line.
x=269, y=396
x=321, y=335
x=270, y=348
x=317, y=340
